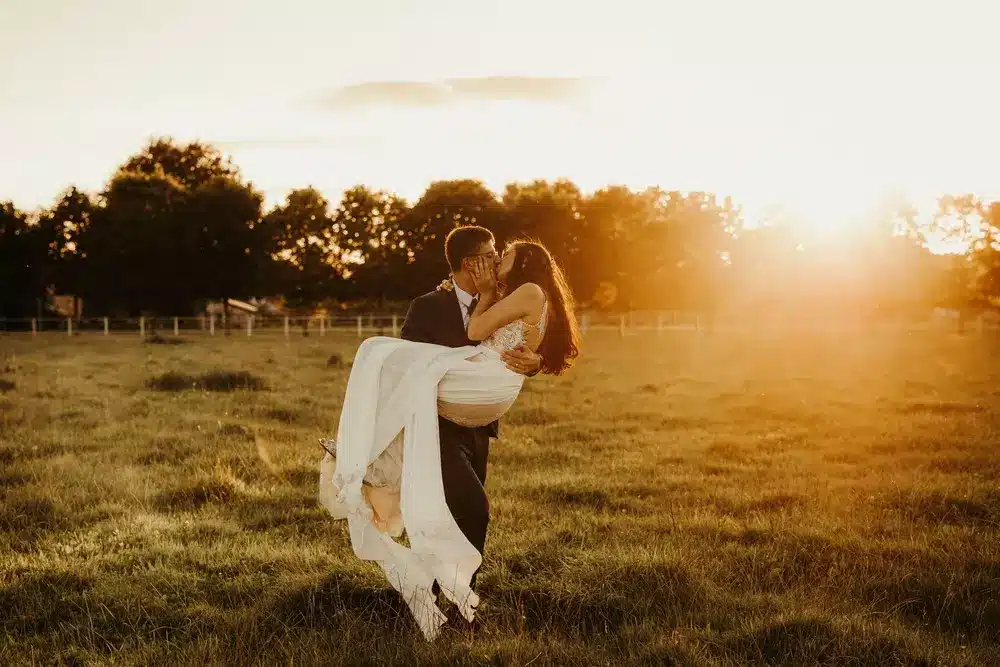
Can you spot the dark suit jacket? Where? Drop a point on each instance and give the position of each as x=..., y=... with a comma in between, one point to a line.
x=436, y=317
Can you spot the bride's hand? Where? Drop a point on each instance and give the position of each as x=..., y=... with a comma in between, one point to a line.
x=484, y=275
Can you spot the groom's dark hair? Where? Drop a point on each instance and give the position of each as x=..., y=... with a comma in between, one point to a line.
x=463, y=242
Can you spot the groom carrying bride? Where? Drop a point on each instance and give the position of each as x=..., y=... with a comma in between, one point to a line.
x=442, y=317
x=418, y=414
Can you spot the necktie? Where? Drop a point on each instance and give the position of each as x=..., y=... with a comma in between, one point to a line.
x=471, y=307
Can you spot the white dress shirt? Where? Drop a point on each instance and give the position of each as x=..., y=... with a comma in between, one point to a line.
x=465, y=299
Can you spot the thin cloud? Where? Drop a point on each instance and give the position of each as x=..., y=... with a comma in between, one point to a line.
x=422, y=94
x=388, y=93
x=517, y=88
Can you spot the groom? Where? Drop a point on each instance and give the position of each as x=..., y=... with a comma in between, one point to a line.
x=441, y=317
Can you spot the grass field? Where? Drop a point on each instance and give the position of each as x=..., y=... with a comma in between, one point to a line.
x=691, y=499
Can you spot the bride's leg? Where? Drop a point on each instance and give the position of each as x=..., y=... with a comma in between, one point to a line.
x=384, y=502
x=381, y=488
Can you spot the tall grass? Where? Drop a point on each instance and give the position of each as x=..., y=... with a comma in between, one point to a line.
x=716, y=500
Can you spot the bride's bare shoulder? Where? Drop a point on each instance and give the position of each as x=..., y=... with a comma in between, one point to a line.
x=530, y=292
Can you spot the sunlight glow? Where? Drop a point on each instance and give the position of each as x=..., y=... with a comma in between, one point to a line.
x=773, y=111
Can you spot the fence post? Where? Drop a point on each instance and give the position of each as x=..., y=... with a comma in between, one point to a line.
x=322, y=326
x=659, y=324
x=586, y=323
x=142, y=327
x=395, y=325
x=211, y=324
x=69, y=326
x=177, y=330
x=287, y=327
x=249, y=325
x=360, y=327
x=107, y=327
x=34, y=326
x=621, y=326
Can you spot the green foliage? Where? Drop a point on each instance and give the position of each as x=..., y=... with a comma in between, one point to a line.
x=177, y=226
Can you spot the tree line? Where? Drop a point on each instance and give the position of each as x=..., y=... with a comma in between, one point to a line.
x=177, y=226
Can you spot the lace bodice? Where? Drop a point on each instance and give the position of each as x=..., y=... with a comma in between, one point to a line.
x=514, y=334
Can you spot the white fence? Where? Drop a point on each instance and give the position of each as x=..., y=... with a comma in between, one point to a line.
x=289, y=326
x=361, y=326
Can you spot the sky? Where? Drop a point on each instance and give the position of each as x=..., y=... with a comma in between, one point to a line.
x=824, y=109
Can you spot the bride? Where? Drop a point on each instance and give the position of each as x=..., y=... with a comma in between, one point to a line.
x=385, y=474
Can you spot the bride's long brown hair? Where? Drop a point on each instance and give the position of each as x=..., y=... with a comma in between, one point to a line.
x=533, y=263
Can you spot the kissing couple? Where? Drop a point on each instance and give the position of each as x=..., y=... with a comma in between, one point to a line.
x=417, y=418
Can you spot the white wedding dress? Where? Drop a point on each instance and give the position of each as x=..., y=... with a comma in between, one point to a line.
x=394, y=394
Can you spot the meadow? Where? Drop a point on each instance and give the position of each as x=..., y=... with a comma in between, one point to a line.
x=695, y=499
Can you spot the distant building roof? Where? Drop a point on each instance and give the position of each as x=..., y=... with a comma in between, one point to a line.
x=242, y=305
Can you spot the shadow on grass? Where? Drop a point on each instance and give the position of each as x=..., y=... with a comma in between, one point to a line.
x=944, y=409
x=38, y=602
x=193, y=497
x=213, y=381
x=283, y=415
x=980, y=509
x=298, y=514
x=532, y=416
x=620, y=595
x=157, y=339
x=25, y=521
x=810, y=641
x=568, y=497
x=30, y=516
x=169, y=449
x=236, y=431
x=959, y=596
x=72, y=609
x=7, y=385
x=325, y=604
x=8, y=480
x=960, y=603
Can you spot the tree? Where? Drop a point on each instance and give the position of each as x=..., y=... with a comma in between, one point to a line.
x=63, y=225
x=176, y=221
x=444, y=206
x=547, y=212
x=226, y=248
x=370, y=231
x=699, y=242
x=134, y=249
x=22, y=263
x=601, y=239
x=303, y=242
x=192, y=165
x=622, y=242
x=985, y=257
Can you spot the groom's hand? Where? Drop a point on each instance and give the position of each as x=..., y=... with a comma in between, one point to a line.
x=522, y=360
